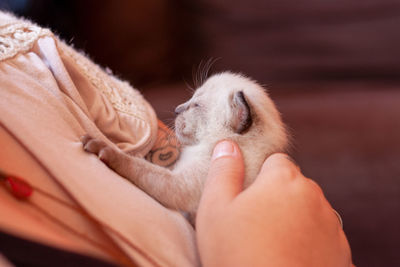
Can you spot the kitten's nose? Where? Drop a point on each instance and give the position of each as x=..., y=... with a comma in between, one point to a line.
x=179, y=109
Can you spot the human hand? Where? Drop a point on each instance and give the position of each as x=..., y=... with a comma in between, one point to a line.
x=282, y=219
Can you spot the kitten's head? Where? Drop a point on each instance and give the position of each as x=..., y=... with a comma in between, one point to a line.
x=231, y=106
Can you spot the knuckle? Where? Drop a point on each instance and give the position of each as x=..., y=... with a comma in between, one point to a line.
x=282, y=171
x=281, y=165
x=309, y=189
x=280, y=157
x=314, y=186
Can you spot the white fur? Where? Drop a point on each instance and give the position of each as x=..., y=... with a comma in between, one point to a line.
x=208, y=117
x=266, y=136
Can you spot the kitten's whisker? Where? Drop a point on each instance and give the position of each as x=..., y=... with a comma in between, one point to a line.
x=188, y=88
x=198, y=73
x=195, y=74
x=202, y=72
x=170, y=124
x=207, y=67
x=212, y=63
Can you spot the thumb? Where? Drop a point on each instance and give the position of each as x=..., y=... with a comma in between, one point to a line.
x=225, y=177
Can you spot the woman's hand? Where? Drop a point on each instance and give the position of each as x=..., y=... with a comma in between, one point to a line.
x=282, y=219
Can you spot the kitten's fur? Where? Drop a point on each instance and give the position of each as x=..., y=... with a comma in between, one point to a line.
x=226, y=106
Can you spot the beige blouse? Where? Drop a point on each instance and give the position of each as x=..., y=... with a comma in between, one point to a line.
x=50, y=96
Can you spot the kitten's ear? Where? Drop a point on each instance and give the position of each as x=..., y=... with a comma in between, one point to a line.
x=241, y=115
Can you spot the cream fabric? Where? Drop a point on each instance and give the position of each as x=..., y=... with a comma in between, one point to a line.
x=50, y=96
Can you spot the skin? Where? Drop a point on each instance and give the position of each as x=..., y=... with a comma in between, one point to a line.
x=282, y=219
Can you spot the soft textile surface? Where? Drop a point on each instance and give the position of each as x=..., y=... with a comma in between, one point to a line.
x=51, y=96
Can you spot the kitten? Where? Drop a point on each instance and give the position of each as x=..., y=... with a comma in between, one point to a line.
x=226, y=106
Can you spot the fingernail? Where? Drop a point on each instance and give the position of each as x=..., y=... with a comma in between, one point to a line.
x=223, y=148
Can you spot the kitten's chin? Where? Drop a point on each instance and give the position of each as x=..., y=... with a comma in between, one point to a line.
x=184, y=140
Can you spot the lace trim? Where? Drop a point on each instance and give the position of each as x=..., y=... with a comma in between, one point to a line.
x=122, y=96
x=19, y=37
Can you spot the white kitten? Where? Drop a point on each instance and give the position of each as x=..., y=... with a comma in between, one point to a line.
x=226, y=106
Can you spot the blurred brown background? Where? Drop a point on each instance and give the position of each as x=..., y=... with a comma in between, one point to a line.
x=332, y=67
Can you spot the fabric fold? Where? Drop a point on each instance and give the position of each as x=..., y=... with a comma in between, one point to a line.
x=51, y=95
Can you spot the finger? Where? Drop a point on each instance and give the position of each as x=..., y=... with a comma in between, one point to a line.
x=277, y=167
x=225, y=177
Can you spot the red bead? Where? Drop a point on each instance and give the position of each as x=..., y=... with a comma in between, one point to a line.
x=18, y=187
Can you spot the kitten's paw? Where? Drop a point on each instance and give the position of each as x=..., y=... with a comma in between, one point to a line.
x=108, y=155
x=98, y=147
x=92, y=145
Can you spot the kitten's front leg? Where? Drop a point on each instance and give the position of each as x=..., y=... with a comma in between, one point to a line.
x=174, y=190
x=110, y=156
